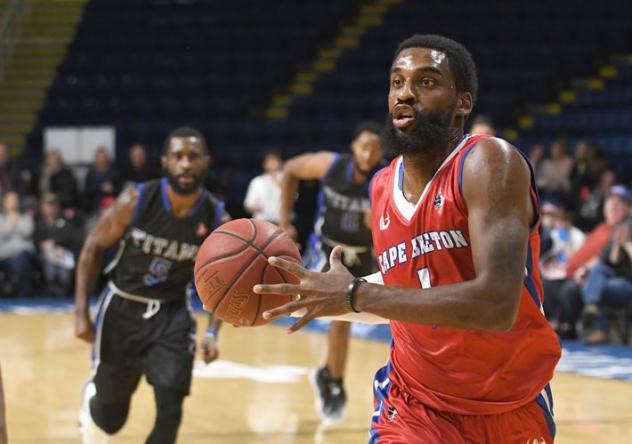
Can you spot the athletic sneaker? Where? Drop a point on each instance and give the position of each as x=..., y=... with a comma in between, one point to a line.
x=90, y=432
x=330, y=395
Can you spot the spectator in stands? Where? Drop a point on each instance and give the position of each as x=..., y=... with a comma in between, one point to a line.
x=16, y=247
x=93, y=219
x=616, y=208
x=102, y=180
x=14, y=177
x=537, y=153
x=609, y=283
x=589, y=165
x=138, y=169
x=554, y=175
x=482, y=124
x=263, y=198
x=58, y=179
x=564, y=240
x=590, y=212
x=6, y=177
x=58, y=237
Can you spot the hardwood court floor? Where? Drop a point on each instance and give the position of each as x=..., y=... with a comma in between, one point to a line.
x=44, y=368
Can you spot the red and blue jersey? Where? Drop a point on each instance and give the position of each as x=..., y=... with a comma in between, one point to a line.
x=428, y=245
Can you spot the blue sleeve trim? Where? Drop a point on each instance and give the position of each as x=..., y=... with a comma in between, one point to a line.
x=331, y=168
x=350, y=168
x=165, y=196
x=528, y=280
x=535, y=196
x=371, y=185
x=139, y=203
x=461, y=163
x=198, y=203
x=219, y=212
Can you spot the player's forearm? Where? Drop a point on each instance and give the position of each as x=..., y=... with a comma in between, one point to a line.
x=363, y=317
x=214, y=324
x=88, y=270
x=468, y=305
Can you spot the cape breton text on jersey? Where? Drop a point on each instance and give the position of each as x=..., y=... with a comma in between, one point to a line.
x=420, y=245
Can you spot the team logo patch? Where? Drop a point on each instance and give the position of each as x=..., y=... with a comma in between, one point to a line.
x=391, y=414
x=438, y=201
x=201, y=230
x=384, y=222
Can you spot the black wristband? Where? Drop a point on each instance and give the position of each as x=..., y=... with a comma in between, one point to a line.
x=351, y=291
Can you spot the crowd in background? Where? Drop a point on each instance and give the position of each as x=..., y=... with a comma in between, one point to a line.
x=585, y=257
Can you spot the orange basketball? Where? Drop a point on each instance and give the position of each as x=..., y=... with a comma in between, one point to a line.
x=233, y=259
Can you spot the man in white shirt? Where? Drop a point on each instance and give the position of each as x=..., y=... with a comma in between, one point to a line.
x=263, y=198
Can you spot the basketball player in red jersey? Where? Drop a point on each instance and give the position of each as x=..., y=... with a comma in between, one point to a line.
x=456, y=222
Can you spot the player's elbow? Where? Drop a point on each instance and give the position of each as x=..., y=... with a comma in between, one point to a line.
x=91, y=249
x=506, y=318
x=504, y=299
x=291, y=170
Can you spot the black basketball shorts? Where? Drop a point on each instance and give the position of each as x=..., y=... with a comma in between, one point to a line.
x=128, y=345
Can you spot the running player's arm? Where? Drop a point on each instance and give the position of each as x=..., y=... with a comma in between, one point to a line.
x=208, y=346
x=108, y=231
x=307, y=166
x=496, y=189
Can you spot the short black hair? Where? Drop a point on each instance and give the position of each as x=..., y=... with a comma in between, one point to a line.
x=459, y=59
x=272, y=152
x=184, y=131
x=370, y=127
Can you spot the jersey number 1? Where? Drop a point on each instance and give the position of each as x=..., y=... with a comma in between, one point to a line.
x=424, y=278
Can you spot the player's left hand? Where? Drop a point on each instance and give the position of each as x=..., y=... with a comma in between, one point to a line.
x=209, y=349
x=318, y=294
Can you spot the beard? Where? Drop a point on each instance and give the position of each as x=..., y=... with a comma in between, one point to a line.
x=427, y=133
x=185, y=189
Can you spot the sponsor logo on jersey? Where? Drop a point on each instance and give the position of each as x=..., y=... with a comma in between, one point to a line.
x=384, y=222
x=391, y=414
x=201, y=230
x=438, y=201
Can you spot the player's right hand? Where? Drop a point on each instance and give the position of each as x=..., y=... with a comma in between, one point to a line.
x=209, y=349
x=83, y=327
x=320, y=294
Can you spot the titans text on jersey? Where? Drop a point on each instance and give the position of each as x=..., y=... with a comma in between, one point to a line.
x=159, y=246
x=346, y=203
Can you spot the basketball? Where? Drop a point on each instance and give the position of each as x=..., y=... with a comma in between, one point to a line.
x=232, y=260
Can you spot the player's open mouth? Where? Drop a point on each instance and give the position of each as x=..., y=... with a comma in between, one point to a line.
x=403, y=116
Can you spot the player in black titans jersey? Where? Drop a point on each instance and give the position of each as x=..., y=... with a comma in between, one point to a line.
x=144, y=323
x=342, y=218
